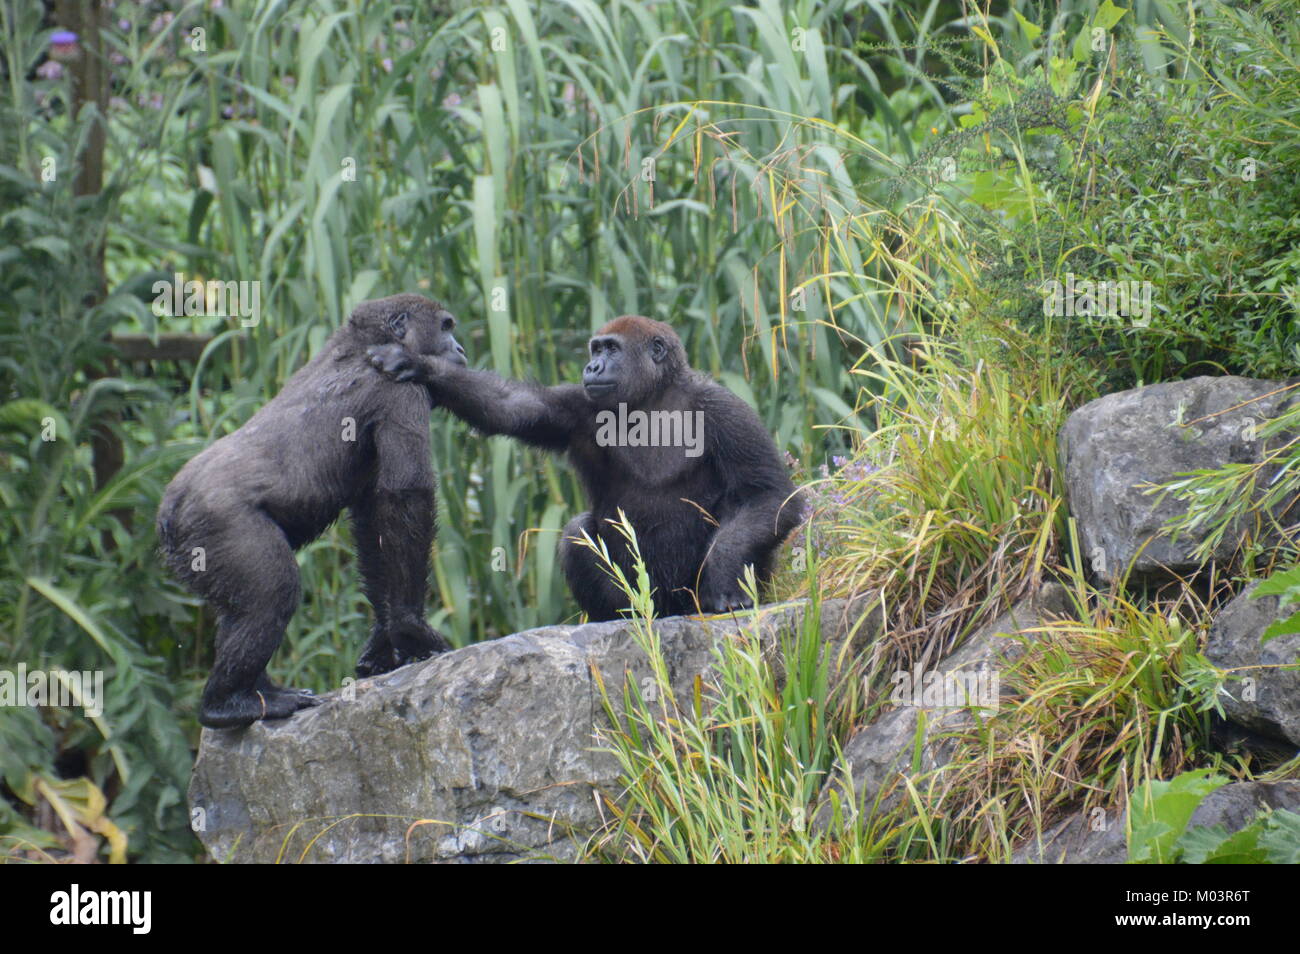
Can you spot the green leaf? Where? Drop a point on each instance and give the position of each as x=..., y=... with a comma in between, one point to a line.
x=1281, y=838
x=57, y=248
x=1279, y=584
x=1213, y=845
x=1108, y=15
x=1032, y=32
x=1282, y=627
x=27, y=416
x=1159, y=813
x=1081, y=52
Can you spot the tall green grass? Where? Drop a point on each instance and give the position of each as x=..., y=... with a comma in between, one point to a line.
x=728, y=769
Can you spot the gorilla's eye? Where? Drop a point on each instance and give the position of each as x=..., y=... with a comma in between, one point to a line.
x=448, y=323
x=657, y=346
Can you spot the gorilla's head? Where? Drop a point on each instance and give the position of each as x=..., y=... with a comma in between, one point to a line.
x=632, y=360
x=418, y=324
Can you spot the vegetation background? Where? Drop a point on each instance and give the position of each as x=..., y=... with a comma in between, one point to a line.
x=846, y=207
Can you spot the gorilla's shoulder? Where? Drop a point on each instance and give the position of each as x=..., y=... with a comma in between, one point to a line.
x=708, y=392
x=704, y=386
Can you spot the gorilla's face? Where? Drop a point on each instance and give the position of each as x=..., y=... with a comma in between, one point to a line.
x=624, y=369
x=425, y=327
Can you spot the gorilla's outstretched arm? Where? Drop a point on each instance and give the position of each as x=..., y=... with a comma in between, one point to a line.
x=542, y=416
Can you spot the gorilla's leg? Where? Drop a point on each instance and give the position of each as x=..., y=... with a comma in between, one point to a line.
x=589, y=581
x=394, y=533
x=377, y=656
x=252, y=580
x=744, y=539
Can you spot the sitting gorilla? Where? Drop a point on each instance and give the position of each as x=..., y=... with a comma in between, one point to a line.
x=336, y=436
x=689, y=463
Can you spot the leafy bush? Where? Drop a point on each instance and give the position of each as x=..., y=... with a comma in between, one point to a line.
x=1088, y=165
x=1159, y=834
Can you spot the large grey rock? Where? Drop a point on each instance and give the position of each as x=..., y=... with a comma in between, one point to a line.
x=1099, y=840
x=483, y=754
x=1084, y=839
x=879, y=757
x=1262, y=696
x=1113, y=448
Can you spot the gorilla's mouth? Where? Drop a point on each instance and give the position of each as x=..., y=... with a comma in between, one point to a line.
x=598, y=390
x=454, y=357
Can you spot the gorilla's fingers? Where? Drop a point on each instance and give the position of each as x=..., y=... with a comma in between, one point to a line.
x=392, y=360
x=726, y=601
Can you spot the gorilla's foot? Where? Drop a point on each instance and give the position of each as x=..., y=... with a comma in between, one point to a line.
x=252, y=705
x=377, y=656
x=375, y=661
x=414, y=639
x=400, y=644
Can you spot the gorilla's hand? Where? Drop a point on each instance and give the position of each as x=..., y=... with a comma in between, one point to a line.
x=721, y=593
x=394, y=361
x=725, y=601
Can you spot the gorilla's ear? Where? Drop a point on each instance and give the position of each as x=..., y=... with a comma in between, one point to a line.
x=658, y=350
x=397, y=325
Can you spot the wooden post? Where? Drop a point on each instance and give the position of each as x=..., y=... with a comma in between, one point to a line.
x=89, y=72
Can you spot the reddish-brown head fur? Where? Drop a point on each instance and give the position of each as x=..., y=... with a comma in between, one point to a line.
x=638, y=328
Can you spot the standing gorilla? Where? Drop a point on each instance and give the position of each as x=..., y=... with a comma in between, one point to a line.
x=688, y=462
x=336, y=436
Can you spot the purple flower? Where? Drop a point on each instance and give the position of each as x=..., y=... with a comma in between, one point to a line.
x=63, y=45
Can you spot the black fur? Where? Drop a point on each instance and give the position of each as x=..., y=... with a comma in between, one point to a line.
x=698, y=519
x=255, y=496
